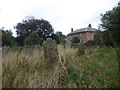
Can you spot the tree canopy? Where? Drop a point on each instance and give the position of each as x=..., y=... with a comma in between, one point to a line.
x=7, y=38
x=33, y=39
x=59, y=38
x=111, y=22
x=98, y=37
x=30, y=24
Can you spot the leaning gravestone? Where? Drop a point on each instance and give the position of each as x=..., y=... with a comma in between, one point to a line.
x=81, y=49
x=50, y=50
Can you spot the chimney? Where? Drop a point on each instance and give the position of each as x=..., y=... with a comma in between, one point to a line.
x=89, y=25
x=71, y=29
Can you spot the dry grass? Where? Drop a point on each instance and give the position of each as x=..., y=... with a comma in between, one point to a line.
x=26, y=68
x=21, y=66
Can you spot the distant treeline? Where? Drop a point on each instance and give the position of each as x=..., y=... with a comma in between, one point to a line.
x=32, y=31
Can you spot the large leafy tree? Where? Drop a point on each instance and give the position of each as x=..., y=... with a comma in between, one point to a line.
x=30, y=24
x=111, y=22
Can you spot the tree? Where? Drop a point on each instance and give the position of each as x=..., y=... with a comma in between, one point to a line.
x=75, y=40
x=33, y=39
x=30, y=24
x=62, y=37
x=111, y=22
x=59, y=38
x=56, y=38
x=7, y=38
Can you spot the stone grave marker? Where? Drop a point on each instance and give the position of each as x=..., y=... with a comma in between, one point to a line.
x=50, y=50
x=81, y=49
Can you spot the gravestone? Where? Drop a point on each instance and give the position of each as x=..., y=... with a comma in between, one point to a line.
x=81, y=49
x=50, y=50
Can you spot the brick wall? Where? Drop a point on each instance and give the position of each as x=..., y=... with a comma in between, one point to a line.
x=90, y=36
x=84, y=36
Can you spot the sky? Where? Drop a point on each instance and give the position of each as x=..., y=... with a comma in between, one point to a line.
x=62, y=14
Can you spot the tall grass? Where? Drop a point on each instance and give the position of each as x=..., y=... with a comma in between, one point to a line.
x=98, y=68
x=20, y=67
x=26, y=67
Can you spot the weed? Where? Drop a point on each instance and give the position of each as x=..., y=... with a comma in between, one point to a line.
x=97, y=68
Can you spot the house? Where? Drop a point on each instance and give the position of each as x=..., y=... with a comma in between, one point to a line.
x=84, y=34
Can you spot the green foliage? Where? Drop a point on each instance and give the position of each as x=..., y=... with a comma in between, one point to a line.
x=59, y=38
x=118, y=54
x=107, y=38
x=90, y=43
x=7, y=38
x=72, y=76
x=98, y=37
x=92, y=70
x=33, y=39
x=98, y=68
x=102, y=38
x=111, y=22
x=64, y=80
x=30, y=24
x=75, y=40
x=56, y=38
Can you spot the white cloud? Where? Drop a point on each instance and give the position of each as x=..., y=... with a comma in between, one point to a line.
x=63, y=14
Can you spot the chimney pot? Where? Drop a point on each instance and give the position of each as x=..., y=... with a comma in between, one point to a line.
x=89, y=25
x=71, y=29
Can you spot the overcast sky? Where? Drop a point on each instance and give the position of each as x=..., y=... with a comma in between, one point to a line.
x=62, y=14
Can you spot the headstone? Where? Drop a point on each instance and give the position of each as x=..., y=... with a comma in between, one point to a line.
x=50, y=50
x=81, y=49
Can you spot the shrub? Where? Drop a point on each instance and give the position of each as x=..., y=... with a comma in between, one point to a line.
x=75, y=40
x=90, y=43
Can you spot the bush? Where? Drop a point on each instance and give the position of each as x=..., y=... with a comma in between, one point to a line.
x=90, y=43
x=75, y=40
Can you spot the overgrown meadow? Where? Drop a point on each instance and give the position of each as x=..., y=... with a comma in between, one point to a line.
x=26, y=68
